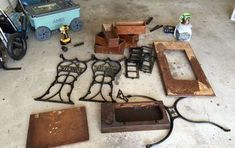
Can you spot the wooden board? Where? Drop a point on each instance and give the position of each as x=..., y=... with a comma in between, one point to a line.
x=56, y=128
x=173, y=87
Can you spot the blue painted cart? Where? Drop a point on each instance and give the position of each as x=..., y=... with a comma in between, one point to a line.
x=47, y=16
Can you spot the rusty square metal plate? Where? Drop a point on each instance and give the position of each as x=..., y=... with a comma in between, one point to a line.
x=134, y=116
x=56, y=128
x=175, y=87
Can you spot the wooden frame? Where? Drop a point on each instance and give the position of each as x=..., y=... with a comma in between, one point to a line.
x=173, y=87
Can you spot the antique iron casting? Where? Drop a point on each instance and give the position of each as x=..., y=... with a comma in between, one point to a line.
x=140, y=59
x=3, y=66
x=55, y=128
x=68, y=72
x=134, y=116
x=104, y=72
x=175, y=87
x=173, y=113
x=3, y=58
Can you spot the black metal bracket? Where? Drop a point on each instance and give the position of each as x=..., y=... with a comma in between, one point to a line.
x=104, y=72
x=140, y=59
x=155, y=28
x=121, y=96
x=68, y=71
x=149, y=20
x=174, y=113
x=3, y=66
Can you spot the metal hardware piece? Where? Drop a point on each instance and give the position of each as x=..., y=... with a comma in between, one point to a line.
x=175, y=87
x=149, y=20
x=174, y=113
x=68, y=72
x=129, y=98
x=155, y=28
x=65, y=48
x=140, y=59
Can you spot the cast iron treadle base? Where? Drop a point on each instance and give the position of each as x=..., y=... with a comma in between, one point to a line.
x=104, y=72
x=68, y=72
x=174, y=113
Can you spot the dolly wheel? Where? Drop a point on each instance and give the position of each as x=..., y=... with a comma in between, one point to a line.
x=43, y=33
x=17, y=46
x=76, y=24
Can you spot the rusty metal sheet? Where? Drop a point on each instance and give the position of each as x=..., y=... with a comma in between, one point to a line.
x=131, y=27
x=134, y=116
x=56, y=128
x=175, y=87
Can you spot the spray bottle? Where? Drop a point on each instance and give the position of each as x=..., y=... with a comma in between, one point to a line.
x=183, y=31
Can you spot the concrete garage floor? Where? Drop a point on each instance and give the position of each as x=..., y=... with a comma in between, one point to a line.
x=213, y=43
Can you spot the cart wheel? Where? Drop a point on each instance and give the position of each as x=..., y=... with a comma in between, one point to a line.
x=76, y=24
x=3, y=55
x=17, y=46
x=43, y=33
